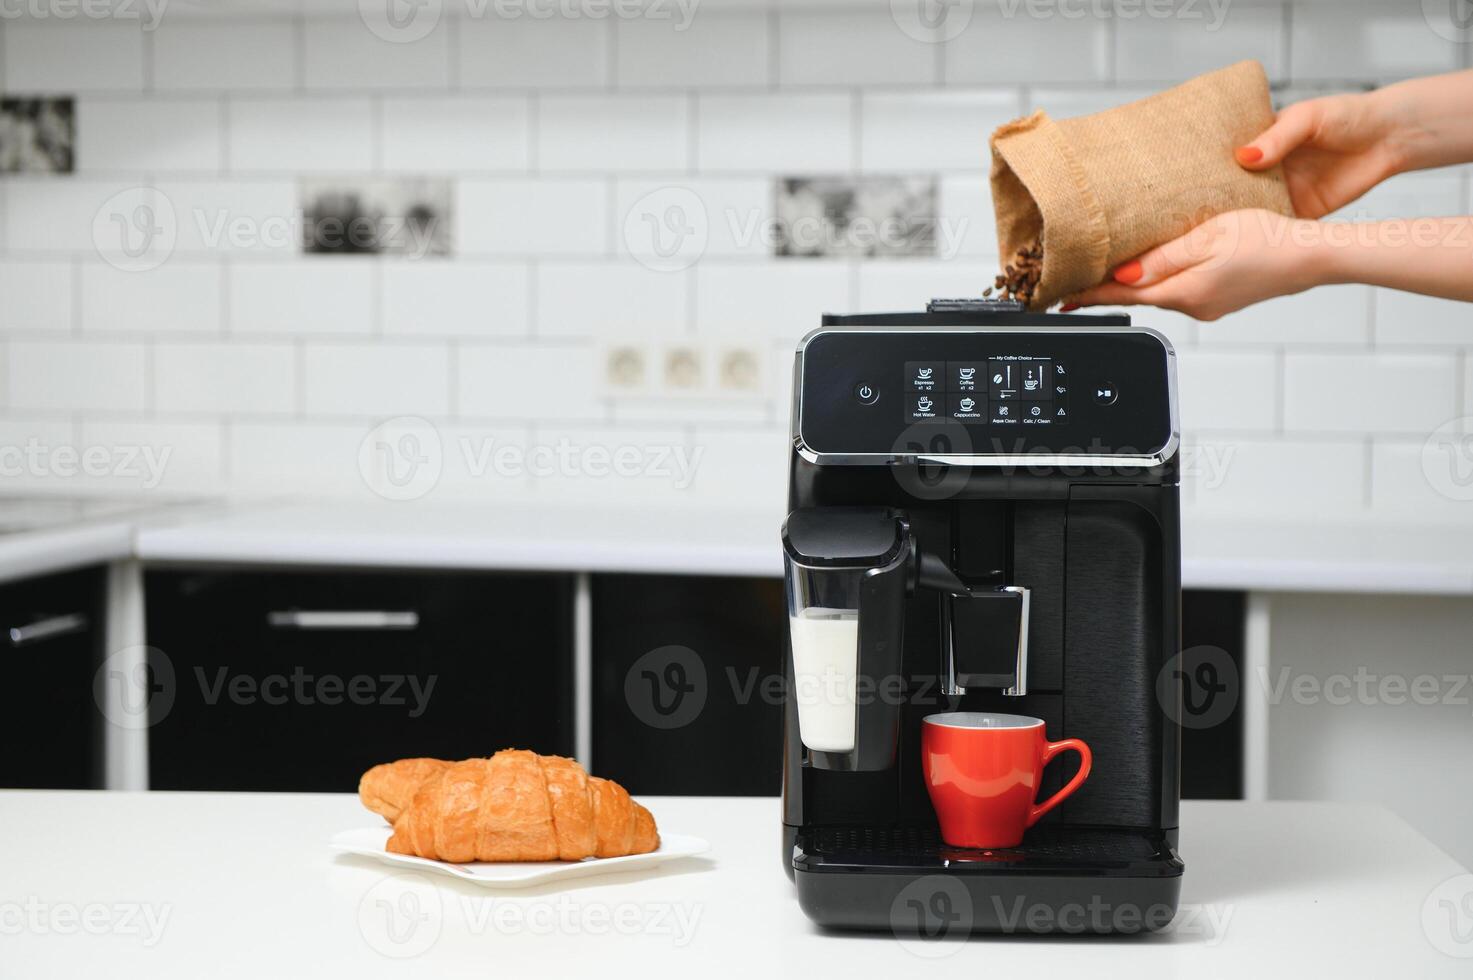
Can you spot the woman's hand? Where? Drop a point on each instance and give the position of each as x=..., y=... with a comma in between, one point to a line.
x=1332, y=149
x=1224, y=264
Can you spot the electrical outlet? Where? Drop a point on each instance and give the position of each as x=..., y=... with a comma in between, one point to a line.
x=683, y=369
x=739, y=369
x=624, y=368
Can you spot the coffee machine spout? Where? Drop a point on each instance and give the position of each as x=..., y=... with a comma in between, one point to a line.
x=987, y=641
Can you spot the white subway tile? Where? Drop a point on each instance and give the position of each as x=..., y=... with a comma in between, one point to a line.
x=178, y=296
x=532, y=53
x=317, y=294
x=483, y=462
x=851, y=47
x=928, y=131
x=456, y=134
x=1161, y=44
x=82, y=56
x=76, y=376
x=1410, y=318
x=967, y=223
x=613, y=133
x=524, y=381
x=782, y=133
x=155, y=135
x=1068, y=103
x=439, y=299
x=239, y=56
x=728, y=216
x=343, y=53
x=38, y=295
x=533, y=217
x=1335, y=315
x=301, y=135
x=306, y=456
x=1269, y=479
x=906, y=285
x=1408, y=393
x=234, y=215
x=39, y=437
x=742, y=469
x=599, y=464
x=1004, y=45
x=1228, y=391
x=1421, y=479
x=56, y=213
x=225, y=377
x=780, y=300
x=613, y=301
x=715, y=48
x=376, y=379
x=1363, y=39
x=155, y=456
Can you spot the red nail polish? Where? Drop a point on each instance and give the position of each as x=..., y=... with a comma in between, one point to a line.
x=1248, y=154
x=1130, y=273
x=1068, y=307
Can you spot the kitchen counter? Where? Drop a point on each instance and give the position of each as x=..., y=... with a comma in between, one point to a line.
x=1369, y=557
x=176, y=885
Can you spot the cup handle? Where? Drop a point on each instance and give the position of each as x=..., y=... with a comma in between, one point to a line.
x=1085, y=761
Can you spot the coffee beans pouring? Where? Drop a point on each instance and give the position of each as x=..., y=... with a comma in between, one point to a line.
x=1020, y=277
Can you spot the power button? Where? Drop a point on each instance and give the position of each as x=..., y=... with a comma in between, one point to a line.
x=866, y=393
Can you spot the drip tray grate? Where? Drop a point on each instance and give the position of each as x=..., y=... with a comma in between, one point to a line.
x=1044, y=849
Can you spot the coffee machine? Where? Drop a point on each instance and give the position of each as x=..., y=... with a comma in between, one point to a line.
x=983, y=517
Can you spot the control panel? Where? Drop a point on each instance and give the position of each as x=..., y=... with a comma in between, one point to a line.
x=990, y=391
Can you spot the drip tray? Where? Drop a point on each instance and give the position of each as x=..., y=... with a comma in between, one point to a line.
x=1059, y=880
x=1044, y=850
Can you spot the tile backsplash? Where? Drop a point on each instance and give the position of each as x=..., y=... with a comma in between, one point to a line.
x=614, y=197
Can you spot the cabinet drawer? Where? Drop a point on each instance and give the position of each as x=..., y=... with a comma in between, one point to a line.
x=302, y=680
x=50, y=727
x=687, y=695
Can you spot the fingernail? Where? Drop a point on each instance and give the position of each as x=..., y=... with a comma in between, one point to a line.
x=1248, y=154
x=1129, y=273
x=1068, y=307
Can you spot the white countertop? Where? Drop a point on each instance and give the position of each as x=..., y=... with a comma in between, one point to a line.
x=1329, y=556
x=244, y=885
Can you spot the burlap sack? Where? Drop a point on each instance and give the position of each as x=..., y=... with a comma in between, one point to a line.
x=1099, y=190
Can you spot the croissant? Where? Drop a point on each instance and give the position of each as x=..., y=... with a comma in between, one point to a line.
x=387, y=789
x=520, y=806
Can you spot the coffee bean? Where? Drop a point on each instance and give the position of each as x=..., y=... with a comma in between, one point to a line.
x=1019, y=278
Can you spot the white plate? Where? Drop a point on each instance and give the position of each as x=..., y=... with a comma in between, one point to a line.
x=369, y=841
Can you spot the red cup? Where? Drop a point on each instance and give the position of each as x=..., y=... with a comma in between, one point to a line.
x=983, y=770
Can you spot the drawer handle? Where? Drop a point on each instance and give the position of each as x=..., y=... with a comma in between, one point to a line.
x=48, y=628
x=342, y=619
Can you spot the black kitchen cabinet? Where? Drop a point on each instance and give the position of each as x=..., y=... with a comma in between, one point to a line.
x=687, y=683
x=1213, y=688
x=50, y=727
x=301, y=680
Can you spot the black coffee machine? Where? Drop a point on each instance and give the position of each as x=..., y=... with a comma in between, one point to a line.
x=984, y=517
